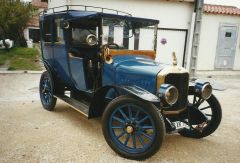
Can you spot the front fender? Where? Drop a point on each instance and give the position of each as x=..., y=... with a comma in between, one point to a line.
x=141, y=93
x=99, y=103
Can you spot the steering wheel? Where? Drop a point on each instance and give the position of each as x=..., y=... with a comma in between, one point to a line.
x=109, y=45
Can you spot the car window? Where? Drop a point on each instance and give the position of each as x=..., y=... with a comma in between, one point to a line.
x=47, y=35
x=79, y=35
x=59, y=37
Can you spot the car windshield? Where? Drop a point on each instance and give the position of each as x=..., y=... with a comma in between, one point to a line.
x=128, y=34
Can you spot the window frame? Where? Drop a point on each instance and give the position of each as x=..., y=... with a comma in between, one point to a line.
x=44, y=34
x=56, y=31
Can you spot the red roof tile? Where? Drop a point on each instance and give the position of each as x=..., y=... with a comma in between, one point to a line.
x=219, y=9
x=34, y=22
x=40, y=4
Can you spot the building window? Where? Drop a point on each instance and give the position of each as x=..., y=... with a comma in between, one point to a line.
x=34, y=34
x=228, y=34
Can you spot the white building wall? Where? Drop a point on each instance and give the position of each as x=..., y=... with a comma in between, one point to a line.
x=209, y=38
x=170, y=13
x=26, y=32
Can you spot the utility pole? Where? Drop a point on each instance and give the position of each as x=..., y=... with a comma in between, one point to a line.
x=196, y=36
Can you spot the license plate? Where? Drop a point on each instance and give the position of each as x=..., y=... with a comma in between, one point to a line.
x=179, y=125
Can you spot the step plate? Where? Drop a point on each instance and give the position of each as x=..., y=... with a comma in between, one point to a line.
x=77, y=105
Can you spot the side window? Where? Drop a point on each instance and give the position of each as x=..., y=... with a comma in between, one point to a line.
x=79, y=35
x=58, y=32
x=47, y=35
x=228, y=34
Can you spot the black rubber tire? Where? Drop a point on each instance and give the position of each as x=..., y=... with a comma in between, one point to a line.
x=51, y=105
x=212, y=126
x=152, y=111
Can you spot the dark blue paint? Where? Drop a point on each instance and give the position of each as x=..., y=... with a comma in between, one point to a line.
x=108, y=75
x=144, y=131
x=127, y=70
x=132, y=70
x=78, y=75
x=48, y=52
x=75, y=15
x=46, y=91
x=61, y=63
x=141, y=93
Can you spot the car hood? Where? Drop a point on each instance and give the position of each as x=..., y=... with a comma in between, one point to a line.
x=137, y=70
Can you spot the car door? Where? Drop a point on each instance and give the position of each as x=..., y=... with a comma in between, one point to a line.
x=78, y=59
x=82, y=56
x=60, y=53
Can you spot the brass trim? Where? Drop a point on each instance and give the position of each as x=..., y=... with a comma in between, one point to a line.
x=174, y=59
x=113, y=52
x=168, y=70
x=129, y=129
x=160, y=80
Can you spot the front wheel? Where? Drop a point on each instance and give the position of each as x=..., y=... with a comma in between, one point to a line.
x=211, y=109
x=132, y=128
x=46, y=92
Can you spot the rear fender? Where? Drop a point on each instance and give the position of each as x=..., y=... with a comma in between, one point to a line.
x=51, y=72
x=99, y=102
x=49, y=69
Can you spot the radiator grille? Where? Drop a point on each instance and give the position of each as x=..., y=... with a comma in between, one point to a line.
x=180, y=81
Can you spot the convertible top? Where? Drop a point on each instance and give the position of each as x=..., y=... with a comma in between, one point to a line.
x=72, y=15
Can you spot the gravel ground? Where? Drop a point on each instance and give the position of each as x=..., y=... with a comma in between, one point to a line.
x=28, y=133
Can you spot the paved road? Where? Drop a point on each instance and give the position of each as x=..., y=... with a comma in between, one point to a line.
x=30, y=134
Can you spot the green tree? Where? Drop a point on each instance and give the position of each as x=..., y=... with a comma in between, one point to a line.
x=14, y=16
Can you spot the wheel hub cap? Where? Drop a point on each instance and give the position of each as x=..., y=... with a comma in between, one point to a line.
x=129, y=129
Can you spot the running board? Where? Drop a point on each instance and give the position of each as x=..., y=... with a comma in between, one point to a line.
x=75, y=104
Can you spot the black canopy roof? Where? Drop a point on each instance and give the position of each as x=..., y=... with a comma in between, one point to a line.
x=75, y=15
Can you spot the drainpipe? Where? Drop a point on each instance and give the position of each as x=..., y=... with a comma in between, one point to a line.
x=196, y=36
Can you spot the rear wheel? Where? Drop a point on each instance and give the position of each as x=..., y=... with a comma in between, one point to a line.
x=133, y=128
x=46, y=92
x=211, y=109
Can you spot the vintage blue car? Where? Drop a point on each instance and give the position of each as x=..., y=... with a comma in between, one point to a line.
x=99, y=63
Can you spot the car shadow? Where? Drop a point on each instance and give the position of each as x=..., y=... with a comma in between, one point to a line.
x=174, y=146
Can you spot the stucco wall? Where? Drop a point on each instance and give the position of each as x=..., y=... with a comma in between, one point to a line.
x=171, y=14
x=209, y=38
